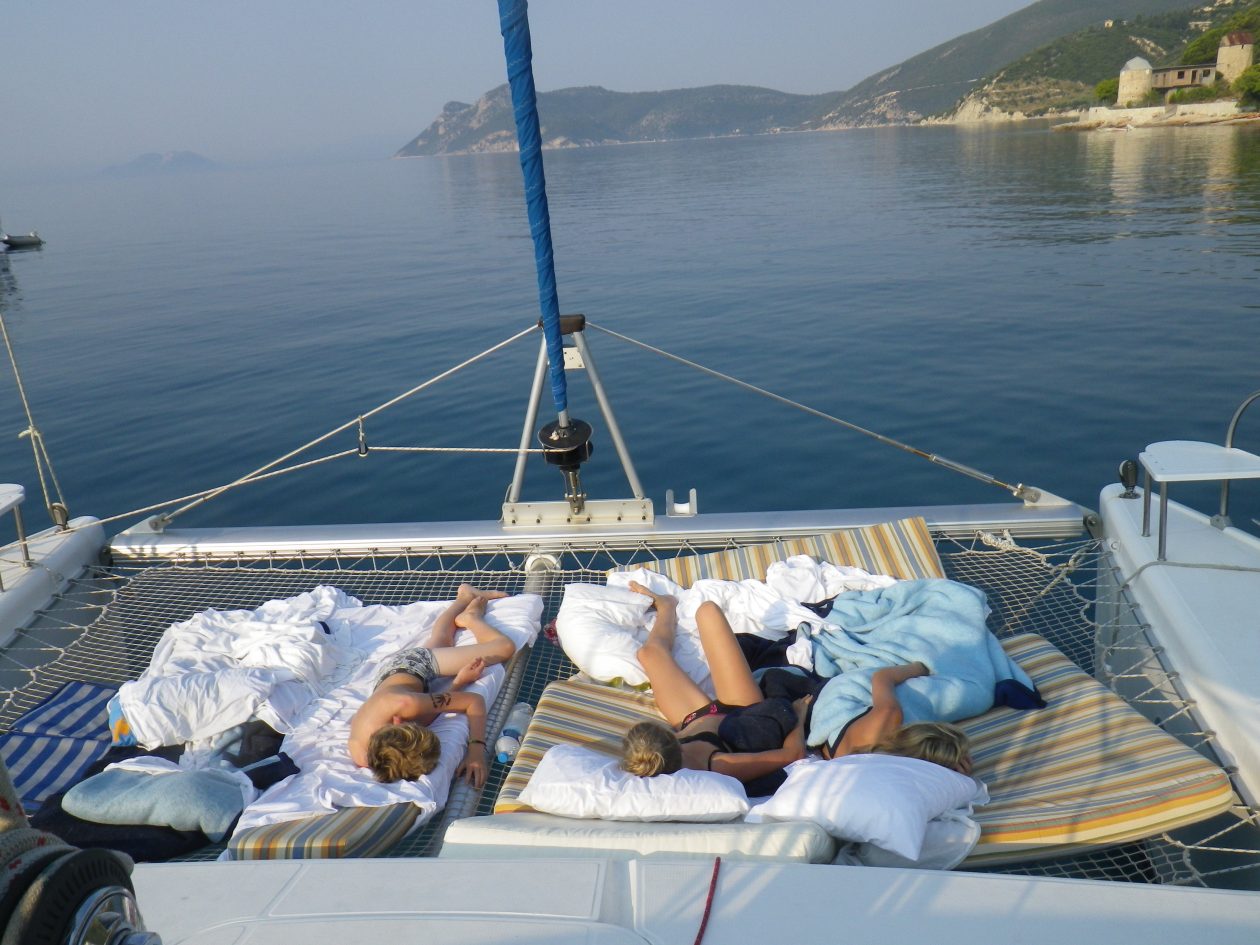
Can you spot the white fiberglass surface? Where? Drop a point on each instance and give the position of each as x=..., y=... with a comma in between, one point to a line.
x=1201, y=605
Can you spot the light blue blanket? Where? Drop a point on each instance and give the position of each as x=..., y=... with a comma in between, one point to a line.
x=939, y=623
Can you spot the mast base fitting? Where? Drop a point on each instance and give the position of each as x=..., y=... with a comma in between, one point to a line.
x=566, y=447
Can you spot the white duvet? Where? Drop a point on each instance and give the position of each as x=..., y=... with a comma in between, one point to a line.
x=601, y=628
x=279, y=664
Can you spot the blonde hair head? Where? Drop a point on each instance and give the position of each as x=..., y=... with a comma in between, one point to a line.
x=650, y=749
x=937, y=742
x=403, y=752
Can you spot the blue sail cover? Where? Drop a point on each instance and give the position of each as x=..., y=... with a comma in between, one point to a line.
x=514, y=25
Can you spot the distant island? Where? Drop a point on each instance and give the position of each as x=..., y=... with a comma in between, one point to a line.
x=1044, y=60
x=161, y=163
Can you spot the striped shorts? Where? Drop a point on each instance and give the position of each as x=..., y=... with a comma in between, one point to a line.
x=417, y=661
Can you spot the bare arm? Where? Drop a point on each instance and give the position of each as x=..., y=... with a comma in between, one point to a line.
x=748, y=765
x=754, y=764
x=885, y=716
x=473, y=767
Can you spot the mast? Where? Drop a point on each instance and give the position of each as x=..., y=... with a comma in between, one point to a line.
x=567, y=440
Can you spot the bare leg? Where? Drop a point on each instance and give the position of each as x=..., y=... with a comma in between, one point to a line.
x=491, y=646
x=732, y=679
x=675, y=692
x=443, y=633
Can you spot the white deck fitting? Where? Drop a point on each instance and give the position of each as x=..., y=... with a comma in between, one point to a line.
x=1207, y=617
x=599, y=902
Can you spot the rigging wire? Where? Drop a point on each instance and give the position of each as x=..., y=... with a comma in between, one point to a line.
x=165, y=519
x=38, y=447
x=268, y=470
x=1020, y=491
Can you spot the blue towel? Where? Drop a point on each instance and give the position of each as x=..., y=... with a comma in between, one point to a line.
x=939, y=623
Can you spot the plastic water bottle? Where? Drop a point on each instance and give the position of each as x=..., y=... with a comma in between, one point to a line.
x=509, y=742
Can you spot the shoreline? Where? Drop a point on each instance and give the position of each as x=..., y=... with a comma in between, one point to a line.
x=1194, y=114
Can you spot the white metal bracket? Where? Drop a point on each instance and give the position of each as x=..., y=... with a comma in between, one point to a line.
x=595, y=512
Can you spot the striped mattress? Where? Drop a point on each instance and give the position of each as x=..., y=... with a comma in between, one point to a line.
x=1086, y=772
x=903, y=549
x=351, y=831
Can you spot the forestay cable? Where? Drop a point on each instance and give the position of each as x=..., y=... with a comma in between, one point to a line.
x=1020, y=491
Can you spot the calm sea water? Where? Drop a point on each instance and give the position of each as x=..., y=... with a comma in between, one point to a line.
x=1037, y=305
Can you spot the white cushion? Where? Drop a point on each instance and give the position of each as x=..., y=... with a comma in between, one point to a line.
x=533, y=835
x=601, y=630
x=577, y=782
x=883, y=800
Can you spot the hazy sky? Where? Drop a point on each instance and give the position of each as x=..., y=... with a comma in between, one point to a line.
x=97, y=82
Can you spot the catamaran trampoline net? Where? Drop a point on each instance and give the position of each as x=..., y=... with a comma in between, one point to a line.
x=104, y=628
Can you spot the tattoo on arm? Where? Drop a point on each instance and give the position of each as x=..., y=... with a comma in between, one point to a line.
x=441, y=700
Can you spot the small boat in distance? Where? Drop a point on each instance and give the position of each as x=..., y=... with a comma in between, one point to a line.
x=29, y=240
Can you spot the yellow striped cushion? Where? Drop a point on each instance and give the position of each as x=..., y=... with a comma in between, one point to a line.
x=351, y=831
x=575, y=713
x=902, y=549
x=1087, y=771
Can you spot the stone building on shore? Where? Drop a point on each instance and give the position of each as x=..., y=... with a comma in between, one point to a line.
x=1138, y=79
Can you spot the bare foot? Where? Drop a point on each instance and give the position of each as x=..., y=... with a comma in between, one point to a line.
x=657, y=599
x=475, y=610
x=467, y=593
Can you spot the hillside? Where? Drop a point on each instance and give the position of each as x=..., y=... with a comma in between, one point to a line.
x=579, y=117
x=930, y=83
x=154, y=163
x=1062, y=75
x=933, y=82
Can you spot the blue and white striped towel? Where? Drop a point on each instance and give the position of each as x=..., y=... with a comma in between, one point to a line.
x=48, y=748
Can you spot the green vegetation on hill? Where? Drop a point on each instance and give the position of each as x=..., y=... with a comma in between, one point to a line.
x=1098, y=53
x=933, y=82
x=1069, y=72
x=1204, y=48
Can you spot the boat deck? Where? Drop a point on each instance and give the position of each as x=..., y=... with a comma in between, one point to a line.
x=1047, y=588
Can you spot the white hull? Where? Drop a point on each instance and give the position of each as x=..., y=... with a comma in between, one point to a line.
x=662, y=901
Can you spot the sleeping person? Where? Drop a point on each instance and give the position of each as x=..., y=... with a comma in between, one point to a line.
x=747, y=736
x=389, y=733
x=880, y=729
x=740, y=733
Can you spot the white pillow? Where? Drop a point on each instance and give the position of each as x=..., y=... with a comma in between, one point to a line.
x=578, y=782
x=884, y=800
x=601, y=630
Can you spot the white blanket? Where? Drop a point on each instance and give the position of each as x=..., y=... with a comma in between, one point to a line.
x=219, y=668
x=328, y=779
x=279, y=663
x=601, y=628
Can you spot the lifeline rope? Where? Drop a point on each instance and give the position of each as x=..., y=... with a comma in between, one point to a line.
x=357, y=421
x=206, y=493
x=42, y=459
